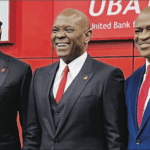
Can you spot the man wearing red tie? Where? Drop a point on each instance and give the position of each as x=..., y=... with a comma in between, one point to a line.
x=76, y=103
x=137, y=88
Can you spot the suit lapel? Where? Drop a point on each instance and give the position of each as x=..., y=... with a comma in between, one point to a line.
x=48, y=81
x=136, y=90
x=145, y=117
x=72, y=95
x=4, y=67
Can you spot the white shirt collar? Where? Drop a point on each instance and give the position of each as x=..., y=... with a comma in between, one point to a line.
x=74, y=66
x=62, y=66
x=147, y=64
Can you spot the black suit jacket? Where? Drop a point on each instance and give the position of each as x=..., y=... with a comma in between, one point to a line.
x=15, y=79
x=94, y=113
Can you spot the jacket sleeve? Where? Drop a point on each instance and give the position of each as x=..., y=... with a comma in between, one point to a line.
x=32, y=138
x=114, y=111
x=23, y=99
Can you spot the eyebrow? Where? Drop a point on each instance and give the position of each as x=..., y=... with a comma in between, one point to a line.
x=137, y=27
x=54, y=26
x=64, y=26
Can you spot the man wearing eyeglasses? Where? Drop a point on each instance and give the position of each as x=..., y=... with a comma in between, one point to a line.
x=78, y=102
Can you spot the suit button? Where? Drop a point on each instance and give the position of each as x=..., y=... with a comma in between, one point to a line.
x=56, y=141
x=137, y=142
x=56, y=113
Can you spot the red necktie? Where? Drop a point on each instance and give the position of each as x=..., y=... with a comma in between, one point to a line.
x=62, y=84
x=143, y=96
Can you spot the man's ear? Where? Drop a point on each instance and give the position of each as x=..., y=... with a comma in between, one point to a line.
x=88, y=35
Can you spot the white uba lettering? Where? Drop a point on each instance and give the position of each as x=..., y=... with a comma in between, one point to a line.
x=135, y=7
x=92, y=8
x=111, y=4
x=132, y=5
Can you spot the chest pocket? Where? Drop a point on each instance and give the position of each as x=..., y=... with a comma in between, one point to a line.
x=86, y=98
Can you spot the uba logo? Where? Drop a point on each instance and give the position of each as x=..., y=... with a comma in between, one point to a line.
x=132, y=5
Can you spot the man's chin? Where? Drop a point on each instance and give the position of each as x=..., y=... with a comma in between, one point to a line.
x=62, y=52
x=144, y=52
x=62, y=55
x=147, y=55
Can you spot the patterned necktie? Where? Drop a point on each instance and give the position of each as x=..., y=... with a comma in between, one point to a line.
x=62, y=84
x=143, y=96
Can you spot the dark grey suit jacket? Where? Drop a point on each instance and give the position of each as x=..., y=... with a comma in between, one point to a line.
x=15, y=77
x=94, y=115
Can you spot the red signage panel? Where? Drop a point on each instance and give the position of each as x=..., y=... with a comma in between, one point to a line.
x=108, y=19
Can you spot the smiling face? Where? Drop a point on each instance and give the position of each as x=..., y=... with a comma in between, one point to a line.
x=142, y=34
x=69, y=36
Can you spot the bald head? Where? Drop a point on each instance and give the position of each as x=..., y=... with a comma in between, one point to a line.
x=145, y=13
x=77, y=15
x=146, y=10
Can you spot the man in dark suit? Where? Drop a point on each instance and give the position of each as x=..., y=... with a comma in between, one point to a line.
x=15, y=79
x=77, y=103
x=137, y=88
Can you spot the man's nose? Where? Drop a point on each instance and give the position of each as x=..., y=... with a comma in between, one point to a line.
x=60, y=34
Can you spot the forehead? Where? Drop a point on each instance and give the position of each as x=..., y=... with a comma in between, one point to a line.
x=73, y=20
x=143, y=20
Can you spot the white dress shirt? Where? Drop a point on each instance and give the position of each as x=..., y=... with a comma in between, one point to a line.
x=74, y=68
x=148, y=96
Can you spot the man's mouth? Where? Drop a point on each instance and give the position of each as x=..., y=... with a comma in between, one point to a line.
x=62, y=44
x=144, y=45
